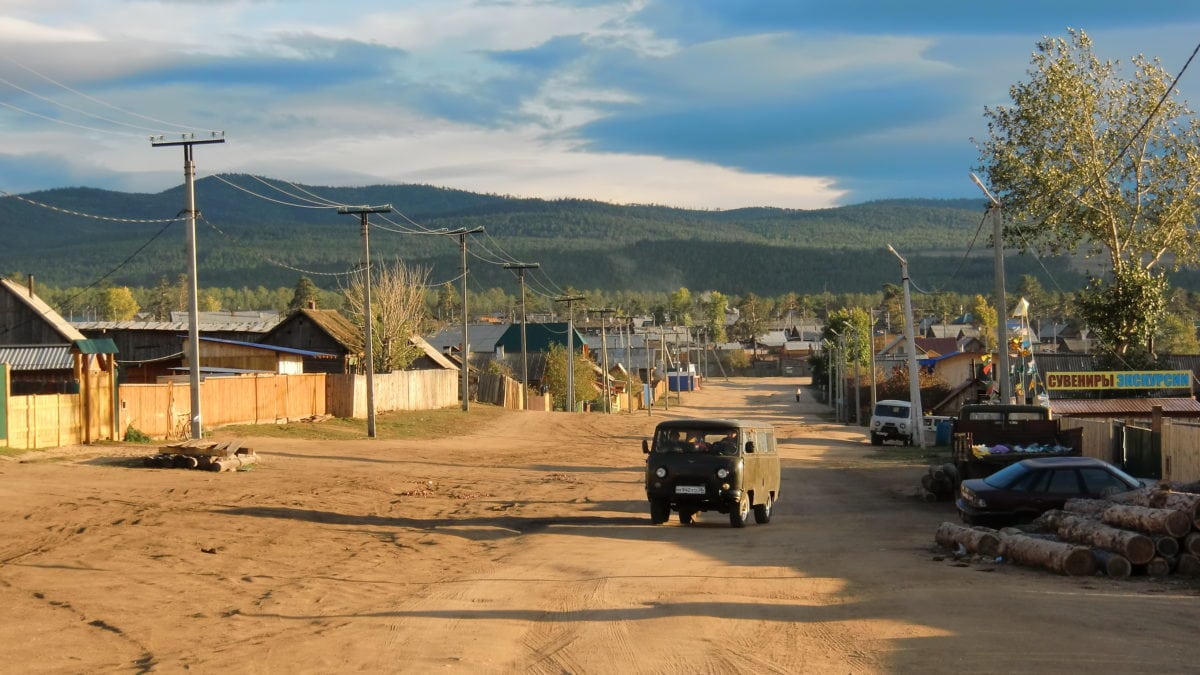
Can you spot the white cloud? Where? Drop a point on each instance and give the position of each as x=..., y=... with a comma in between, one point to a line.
x=15, y=31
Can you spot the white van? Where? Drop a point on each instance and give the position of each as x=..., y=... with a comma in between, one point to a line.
x=892, y=420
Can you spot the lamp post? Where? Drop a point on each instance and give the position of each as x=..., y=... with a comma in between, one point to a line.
x=1004, y=385
x=916, y=412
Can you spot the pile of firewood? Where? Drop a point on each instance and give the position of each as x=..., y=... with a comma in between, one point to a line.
x=204, y=455
x=1151, y=532
x=940, y=482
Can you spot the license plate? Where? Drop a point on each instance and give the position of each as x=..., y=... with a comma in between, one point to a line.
x=689, y=489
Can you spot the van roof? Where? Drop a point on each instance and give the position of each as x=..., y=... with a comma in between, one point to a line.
x=709, y=423
x=891, y=402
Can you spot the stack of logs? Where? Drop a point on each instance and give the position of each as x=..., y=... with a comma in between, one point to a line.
x=205, y=455
x=1151, y=532
x=940, y=482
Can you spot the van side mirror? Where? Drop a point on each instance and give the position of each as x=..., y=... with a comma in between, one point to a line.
x=645, y=447
x=749, y=446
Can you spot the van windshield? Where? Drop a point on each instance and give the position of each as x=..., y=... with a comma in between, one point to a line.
x=891, y=410
x=698, y=441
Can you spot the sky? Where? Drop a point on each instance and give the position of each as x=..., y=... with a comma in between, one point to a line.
x=692, y=103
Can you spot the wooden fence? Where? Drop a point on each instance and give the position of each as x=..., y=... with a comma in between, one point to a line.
x=1180, y=451
x=1097, y=438
x=164, y=410
x=500, y=390
x=346, y=395
x=55, y=420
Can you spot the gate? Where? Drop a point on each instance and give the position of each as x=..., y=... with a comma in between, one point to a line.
x=1143, y=452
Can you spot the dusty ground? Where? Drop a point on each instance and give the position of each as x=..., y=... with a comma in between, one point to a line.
x=529, y=549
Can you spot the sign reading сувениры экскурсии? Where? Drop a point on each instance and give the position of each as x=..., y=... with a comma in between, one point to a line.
x=1149, y=379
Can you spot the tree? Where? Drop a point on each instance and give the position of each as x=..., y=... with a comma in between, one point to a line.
x=161, y=301
x=118, y=304
x=1076, y=169
x=751, y=320
x=306, y=293
x=397, y=313
x=986, y=321
x=714, y=315
x=681, y=307
x=1176, y=335
x=555, y=376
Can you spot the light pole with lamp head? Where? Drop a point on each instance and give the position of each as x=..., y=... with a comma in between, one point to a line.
x=916, y=411
x=1004, y=386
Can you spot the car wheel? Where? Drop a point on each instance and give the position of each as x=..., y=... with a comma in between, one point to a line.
x=876, y=439
x=660, y=511
x=762, y=512
x=908, y=441
x=687, y=516
x=740, y=514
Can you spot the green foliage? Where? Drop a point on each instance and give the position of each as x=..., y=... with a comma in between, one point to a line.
x=1123, y=312
x=119, y=304
x=1087, y=159
x=555, y=376
x=133, y=435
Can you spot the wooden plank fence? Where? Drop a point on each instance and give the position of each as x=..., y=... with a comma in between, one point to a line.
x=164, y=410
x=55, y=420
x=346, y=395
x=1098, y=438
x=1180, y=451
x=500, y=390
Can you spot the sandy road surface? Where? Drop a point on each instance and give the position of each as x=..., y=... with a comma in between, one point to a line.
x=529, y=549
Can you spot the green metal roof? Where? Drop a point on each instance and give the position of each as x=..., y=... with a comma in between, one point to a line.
x=538, y=337
x=96, y=346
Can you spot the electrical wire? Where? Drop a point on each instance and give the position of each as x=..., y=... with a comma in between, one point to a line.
x=81, y=214
x=264, y=197
x=99, y=280
x=73, y=109
x=126, y=134
x=96, y=100
x=277, y=263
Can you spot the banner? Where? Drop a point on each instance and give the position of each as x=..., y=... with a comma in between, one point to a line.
x=1149, y=379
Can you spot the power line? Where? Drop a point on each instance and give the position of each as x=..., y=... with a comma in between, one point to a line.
x=96, y=100
x=81, y=214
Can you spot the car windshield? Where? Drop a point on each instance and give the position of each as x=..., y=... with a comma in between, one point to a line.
x=1007, y=476
x=891, y=410
x=697, y=441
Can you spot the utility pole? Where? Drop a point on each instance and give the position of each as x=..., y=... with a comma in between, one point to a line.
x=368, y=339
x=570, y=299
x=627, y=343
x=465, y=385
x=916, y=411
x=857, y=383
x=189, y=207
x=1002, y=377
x=603, y=312
x=520, y=268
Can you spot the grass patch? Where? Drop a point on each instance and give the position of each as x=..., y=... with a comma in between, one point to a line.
x=414, y=424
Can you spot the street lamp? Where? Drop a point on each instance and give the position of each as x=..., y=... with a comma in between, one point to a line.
x=1005, y=387
x=916, y=411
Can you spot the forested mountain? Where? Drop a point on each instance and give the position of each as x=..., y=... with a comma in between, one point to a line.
x=250, y=240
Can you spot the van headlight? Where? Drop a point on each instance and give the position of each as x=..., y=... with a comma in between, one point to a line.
x=722, y=473
x=661, y=472
x=903, y=425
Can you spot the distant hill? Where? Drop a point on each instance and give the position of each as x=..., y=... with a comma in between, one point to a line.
x=246, y=240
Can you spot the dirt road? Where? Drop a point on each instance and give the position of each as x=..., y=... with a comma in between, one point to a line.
x=529, y=549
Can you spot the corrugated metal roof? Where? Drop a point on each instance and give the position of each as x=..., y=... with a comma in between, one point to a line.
x=37, y=357
x=1124, y=407
x=177, y=326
